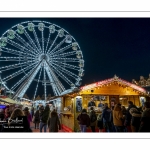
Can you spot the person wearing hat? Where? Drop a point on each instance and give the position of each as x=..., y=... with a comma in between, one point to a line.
x=27, y=113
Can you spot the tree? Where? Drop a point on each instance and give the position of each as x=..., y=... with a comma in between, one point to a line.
x=49, y=96
x=38, y=97
x=26, y=96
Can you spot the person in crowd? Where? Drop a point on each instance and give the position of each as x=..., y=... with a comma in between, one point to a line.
x=123, y=109
x=84, y=120
x=54, y=122
x=1, y=114
x=1, y=118
x=27, y=113
x=128, y=116
x=36, y=119
x=140, y=109
x=17, y=122
x=93, y=119
x=107, y=118
x=44, y=118
x=135, y=120
x=6, y=114
x=145, y=119
x=32, y=111
x=100, y=104
x=118, y=118
x=91, y=103
x=100, y=122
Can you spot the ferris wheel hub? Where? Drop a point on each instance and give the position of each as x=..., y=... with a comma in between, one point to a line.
x=44, y=57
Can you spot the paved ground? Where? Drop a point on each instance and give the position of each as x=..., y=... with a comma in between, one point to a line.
x=38, y=130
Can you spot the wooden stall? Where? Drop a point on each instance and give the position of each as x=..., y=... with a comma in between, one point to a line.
x=111, y=91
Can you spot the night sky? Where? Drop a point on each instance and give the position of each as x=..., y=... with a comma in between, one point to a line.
x=110, y=46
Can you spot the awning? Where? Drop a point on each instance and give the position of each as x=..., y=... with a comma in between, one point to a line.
x=10, y=101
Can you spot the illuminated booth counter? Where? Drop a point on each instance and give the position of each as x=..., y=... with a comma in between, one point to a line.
x=111, y=91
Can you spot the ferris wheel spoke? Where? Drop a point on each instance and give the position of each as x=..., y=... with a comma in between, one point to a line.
x=66, y=59
x=26, y=44
x=58, y=45
x=22, y=79
x=56, y=86
x=21, y=48
x=61, y=74
x=44, y=81
x=55, y=78
x=64, y=54
x=47, y=41
x=30, y=40
x=25, y=85
x=14, y=52
x=62, y=49
x=37, y=84
x=43, y=43
x=37, y=41
x=9, y=67
x=66, y=65
x=52, y=44
x=14, y=59
x=18, y=73
x=65, y=71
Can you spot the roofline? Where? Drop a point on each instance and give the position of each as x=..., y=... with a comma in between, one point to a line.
x=110, y=80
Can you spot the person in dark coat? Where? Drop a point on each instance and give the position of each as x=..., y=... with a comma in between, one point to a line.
x=100, y=123
x=32, y=111
x=84, y=120
x=107, y=118
x=27, y=113
x=124, y=111
x=92, y=116
x=128, y=116
x=44, y=117
x=145, y=119
x=135, y=120
x=54, y=122
x=91, y=103
x=36, y=119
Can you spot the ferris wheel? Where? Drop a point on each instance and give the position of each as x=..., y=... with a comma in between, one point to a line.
x=40, y=52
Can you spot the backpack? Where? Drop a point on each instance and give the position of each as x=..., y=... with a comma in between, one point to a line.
x=93, y=117
x=99, y=118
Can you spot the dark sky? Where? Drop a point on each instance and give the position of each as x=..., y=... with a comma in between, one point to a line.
x=110, y=46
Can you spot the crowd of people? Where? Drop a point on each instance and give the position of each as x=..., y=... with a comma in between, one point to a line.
x=116, y=119
x=20, y=119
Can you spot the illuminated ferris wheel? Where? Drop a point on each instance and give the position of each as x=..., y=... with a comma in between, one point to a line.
x=42, y=52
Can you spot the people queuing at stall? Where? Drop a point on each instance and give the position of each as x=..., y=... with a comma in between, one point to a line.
x=118, y=119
